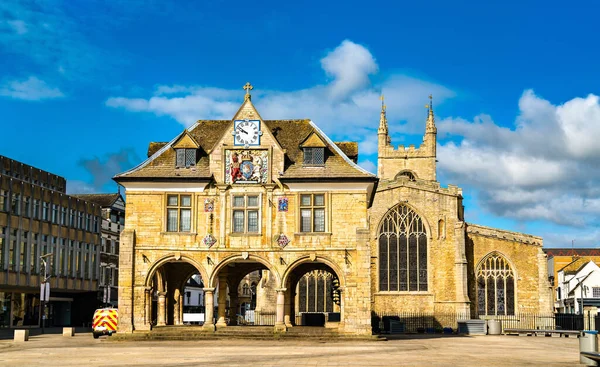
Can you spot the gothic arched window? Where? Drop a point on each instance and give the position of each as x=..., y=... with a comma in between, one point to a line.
x=402, y=251
x=245, y=290
x=495, y=286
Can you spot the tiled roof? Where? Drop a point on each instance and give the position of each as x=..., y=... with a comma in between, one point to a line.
x=550, y=252
x=288, y=133
x=104, y=200
x=350, y=148
x=154, y=147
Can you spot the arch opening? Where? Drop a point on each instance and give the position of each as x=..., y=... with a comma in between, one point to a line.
x=245, y=293
x=314, y=295
x=175, y=293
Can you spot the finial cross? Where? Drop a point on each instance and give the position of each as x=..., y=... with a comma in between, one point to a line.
x=248, y=87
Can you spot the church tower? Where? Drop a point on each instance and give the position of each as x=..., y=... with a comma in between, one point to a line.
x=414, y=163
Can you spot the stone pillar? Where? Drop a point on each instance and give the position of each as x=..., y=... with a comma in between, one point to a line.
x=148, y=308
x=233, y=306
x=162, y=309
x=126, y=281
x=287, y=317
x=279, y=322
x=181, y=309
x=460, y=264
x=176, y=315
x=297, y=305
x=209, y=306
x=222, y=303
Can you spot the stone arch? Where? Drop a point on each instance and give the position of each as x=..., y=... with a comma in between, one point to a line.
x=403, y=241
x=214, y=277
x=307, y=259
x=155, y=268
x=412, y=176
x=498, y=278
x=410, y=207
x=498, y=253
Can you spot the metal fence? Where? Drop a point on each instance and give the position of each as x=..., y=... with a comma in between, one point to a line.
x=416, y=322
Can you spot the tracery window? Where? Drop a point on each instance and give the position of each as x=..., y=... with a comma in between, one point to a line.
x=402, y=242
x=495, y=286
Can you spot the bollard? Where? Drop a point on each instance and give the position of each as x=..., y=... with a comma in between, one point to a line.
x=21, y=335
x=68, y=331
x=588, y=343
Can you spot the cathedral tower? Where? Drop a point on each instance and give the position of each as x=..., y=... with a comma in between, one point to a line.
x=415, y=163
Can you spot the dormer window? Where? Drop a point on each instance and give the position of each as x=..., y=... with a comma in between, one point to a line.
x=314, y=156
x=185, y=158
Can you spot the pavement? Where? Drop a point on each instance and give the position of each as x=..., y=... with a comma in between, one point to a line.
x=406, y=350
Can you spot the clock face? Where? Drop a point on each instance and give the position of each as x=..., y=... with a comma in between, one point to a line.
x=246, y=132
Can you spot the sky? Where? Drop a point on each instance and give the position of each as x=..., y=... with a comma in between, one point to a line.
x=86, y=85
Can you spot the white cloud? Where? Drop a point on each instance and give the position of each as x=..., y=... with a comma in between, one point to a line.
x=350, y=65
x=347, y=100
x=544, y=169
x=31, y=89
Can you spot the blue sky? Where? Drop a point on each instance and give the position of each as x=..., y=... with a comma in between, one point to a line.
x=84, y=86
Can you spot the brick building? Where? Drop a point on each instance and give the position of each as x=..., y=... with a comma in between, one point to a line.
x=38, y=218
x=335, y=243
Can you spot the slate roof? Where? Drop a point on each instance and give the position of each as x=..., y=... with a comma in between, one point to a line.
x=104, y=200
x=288, y=133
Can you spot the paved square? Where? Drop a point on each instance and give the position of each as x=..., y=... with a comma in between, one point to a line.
x=82, y=350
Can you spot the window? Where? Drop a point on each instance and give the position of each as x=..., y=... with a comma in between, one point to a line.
x=245, y=290
x=314, y=156
x=185, y=158
x=596, y=292
x=495, y=286
x=26, y=206
x=54, y=213
x=312, y=213
x=16, y=204
x=45, y=210
x=36, y=208
x=4, y=200
x=402, y=241
x=245, y=214
x=179, y=213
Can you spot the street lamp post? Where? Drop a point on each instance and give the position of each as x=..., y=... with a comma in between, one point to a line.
x=44, y=290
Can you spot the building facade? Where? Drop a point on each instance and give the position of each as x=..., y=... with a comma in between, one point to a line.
x=113, y=221
x=45, y=233
x=578, y=287
x=335, y=243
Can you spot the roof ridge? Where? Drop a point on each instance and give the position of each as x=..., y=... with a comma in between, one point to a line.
x=339, y=151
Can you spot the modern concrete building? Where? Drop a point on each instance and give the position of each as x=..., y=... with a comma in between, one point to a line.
x=40, y=224
x=113, y=221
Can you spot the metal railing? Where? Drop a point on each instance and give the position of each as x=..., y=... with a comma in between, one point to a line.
x=417, y=322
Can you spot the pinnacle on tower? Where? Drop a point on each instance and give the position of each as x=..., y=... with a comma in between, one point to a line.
x=430, y=127
x=383, y=126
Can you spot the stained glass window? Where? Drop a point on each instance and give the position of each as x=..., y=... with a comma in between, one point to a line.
x=402, y=251
x=495, y=286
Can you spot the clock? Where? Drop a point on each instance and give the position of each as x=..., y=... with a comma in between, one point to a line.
x=246, y=132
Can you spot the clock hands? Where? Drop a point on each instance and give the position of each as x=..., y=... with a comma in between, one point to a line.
x=242, y=130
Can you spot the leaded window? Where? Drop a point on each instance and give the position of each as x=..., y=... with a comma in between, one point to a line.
x=179, y=213
x=185, y=158
x=495, y=286
x=315, y=292
x=402, y=243
x=245, y=214
x=314, y=156
x=312, y=213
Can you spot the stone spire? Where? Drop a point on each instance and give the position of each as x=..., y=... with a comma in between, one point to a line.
x=430, y=127
x=383, y=125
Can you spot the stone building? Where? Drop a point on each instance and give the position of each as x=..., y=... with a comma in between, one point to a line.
x=38, y=218
x=113, y=221
x=227, y=198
